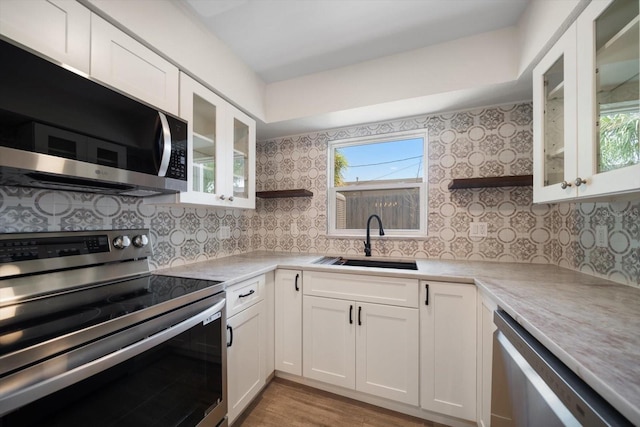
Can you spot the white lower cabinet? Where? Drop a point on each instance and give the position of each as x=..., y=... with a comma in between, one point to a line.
x=246, y=352
x=359, y=345
x=288, y=321
x=448, y=338
x=426, y=344
x=329, y=341
x=387, y=352
x=269, y=295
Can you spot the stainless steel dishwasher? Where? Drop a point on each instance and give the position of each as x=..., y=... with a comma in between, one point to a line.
x=542, y=390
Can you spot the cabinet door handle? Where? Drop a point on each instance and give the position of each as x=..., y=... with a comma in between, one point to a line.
x=230, y=329
x=360, y=316
x=251, y=292
x=351, y=314
x=426, y=298
x=297, y=287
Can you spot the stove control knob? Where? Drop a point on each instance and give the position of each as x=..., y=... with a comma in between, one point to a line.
x=140, y=240
x=121, y=242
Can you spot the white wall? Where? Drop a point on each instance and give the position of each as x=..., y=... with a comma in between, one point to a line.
x=540, y=23
x=470, y=62
x=170, y=30
x=469, y=67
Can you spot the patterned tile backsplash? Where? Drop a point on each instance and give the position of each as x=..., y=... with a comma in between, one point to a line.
x=480, y=142
x=180, y=235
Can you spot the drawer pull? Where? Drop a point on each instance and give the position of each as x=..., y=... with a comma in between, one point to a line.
x=251, y=292
x=426, y=297
x=351, y=314
x=297, y=287
x=360, y=316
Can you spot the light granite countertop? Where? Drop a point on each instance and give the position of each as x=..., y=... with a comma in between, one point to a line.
x=236, y=268
x=591, y=324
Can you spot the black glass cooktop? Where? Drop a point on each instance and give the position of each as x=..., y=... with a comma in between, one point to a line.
x=29, y=323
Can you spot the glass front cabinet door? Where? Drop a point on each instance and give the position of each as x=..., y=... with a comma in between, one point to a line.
x=586, y=107
x=221, y=155
x=609, y=112
x=204, y=112
x=554, y=120
x=242, y=162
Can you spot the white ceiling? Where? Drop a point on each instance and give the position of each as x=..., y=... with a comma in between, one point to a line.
x=286, y=39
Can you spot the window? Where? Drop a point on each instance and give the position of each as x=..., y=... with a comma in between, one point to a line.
x=383, y=175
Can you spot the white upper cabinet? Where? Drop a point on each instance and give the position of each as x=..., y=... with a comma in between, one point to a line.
x=609, y=109
x=203, y=111
x=554, y=120
x=586, y=108
x=68, y=33
x=221, y=150
x=240, y=176
x=125, y=64
x=59, y=29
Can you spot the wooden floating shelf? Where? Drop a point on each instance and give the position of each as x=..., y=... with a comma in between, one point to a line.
x=299, y=192
x=497, y=181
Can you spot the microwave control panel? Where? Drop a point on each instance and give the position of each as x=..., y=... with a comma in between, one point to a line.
x=178, y=162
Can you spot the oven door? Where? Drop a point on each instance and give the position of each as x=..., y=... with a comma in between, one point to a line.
x=168, y=371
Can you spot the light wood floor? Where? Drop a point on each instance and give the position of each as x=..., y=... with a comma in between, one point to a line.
x=285, y=403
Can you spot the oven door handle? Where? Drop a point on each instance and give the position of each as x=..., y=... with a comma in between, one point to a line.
x=16, y=395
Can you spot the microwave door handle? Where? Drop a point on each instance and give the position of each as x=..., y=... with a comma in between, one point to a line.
x=165, y=136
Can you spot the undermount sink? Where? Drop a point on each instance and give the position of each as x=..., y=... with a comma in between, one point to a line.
x=403, y=265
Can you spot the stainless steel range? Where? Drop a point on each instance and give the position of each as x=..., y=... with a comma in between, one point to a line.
x=88, y=336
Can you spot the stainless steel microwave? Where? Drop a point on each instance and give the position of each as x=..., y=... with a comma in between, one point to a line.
x=64, y=131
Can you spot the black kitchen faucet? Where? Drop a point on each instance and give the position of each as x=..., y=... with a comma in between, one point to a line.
x=367, y=244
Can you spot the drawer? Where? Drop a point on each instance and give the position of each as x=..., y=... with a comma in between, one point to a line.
x=366, y=288
x=244, y=294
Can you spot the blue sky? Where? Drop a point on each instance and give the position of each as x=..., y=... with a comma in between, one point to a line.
x=386, y=160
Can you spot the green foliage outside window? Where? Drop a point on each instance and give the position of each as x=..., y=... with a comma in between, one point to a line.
x=209, y=177
x=340, y=164
x=239, y=165
x=619, y=146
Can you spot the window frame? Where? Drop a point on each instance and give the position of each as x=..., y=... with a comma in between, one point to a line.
x=332, y=231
